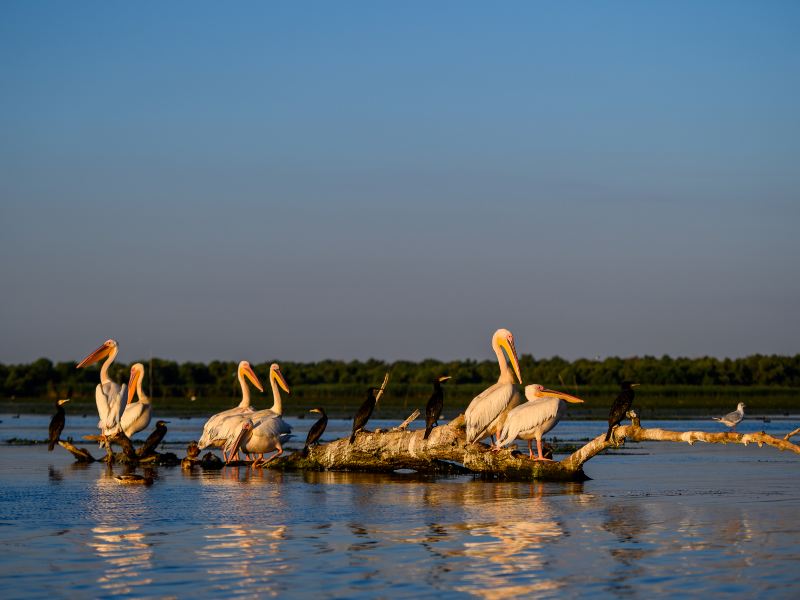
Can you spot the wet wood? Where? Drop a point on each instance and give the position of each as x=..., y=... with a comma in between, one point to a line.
x=81, y=454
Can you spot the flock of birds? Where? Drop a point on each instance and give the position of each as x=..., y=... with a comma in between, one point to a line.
x=498, y=412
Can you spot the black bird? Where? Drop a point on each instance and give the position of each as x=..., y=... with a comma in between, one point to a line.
x=364, y=412
x=317, y=429
x=621, y=406
x=433, y=410
x=57, y=424
x=154, y=439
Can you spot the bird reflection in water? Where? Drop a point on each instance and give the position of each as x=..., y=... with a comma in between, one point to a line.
x=127, y=554
x=628, y=524
x=241, y=558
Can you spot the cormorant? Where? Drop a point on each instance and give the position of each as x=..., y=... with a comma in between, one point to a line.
x=154, y=439
x=621, y=406
x=317, y=429
x=732, y=419
x=364, y=412
x=57, y=424
x=433, y=410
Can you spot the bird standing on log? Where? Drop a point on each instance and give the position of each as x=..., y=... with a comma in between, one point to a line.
x=365, y=410
x=154, y=439
x=433, y=410
x=57, y=424
x=317, y=429
x=732, y=419
x=621, y=406
x=531, y=420
x=487, y=412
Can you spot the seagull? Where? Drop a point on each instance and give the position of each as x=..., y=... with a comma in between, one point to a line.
x=732, y=419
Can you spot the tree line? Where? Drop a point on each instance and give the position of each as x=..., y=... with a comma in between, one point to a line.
x=165, y=378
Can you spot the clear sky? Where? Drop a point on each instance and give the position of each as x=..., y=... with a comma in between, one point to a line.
x=309, y=180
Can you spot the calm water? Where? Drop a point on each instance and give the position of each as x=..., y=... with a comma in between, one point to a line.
x=656, y=519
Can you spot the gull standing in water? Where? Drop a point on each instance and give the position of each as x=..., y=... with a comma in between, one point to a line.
x=732, y=419
x=487, y=412
x=531, y=420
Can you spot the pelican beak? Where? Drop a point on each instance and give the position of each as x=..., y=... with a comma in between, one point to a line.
x=136, y=375
x=561, y=395
x=96, y=356
x=281, y=381
x=445, y=378
x=511, y=351
x=251, y=375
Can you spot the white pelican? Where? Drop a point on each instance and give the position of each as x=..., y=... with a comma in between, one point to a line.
x=211, y=430
x=136, y=417
x=110, y=397
x=534, y=418
x=264, y=430
x=487, y=412
x=732, y=419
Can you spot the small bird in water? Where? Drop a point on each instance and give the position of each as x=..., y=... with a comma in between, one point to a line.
x=433, y=410
x=732, y=419
x=317, y=429
x=621, y=406
x=57, y=424
x=154, y=439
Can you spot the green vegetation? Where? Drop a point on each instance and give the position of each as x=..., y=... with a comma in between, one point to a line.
x=670, y=387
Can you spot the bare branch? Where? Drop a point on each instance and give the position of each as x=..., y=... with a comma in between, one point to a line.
x=404, y=425
x=793, y=433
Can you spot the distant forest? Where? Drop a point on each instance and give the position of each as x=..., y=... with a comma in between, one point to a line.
x=43, y=378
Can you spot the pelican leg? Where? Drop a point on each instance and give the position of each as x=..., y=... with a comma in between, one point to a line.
x=539, y=448
x=530, y=449
x=274, y=456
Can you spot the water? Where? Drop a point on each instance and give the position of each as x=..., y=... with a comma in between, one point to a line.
x=656, y=519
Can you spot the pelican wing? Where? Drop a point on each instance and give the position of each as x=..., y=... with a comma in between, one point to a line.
x=527, y=418
x=485, y=408
x=270, y=419
x=216, y=425
x=117, y=400
x=135, y=418
x=103, y=394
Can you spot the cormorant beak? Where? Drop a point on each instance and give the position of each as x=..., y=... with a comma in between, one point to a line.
x=560, y=395
x=635, y=384
x=96, y=356
x=64, y=401
x=136, y=374
x=316, y=410
x=445, y=378
x=280, y=379
x=248, y=372
x=511, y=351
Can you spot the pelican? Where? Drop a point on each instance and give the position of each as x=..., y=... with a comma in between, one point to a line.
x=263, y=430
x=732, y=419
x=364, y=412
x=534, y=418
x=110, y=397
x=56, y=424
x=621, y=405
x=317, y=429
x=487, y=412
x=433, y=410
x=212, y=433
x=136, y=417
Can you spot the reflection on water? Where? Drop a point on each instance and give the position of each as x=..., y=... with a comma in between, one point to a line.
x=641, y=527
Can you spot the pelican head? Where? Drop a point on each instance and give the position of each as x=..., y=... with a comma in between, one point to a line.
x=107, y=348
x=536, y=391
x=245, y=370
x=137, y=372
x=275, y=373
x=505, y=340
x=62, y=402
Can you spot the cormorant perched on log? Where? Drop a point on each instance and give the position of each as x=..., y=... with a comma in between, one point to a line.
x=317, y=429
x=365, y=411
x=57, y=424
x=621, y=406
x=433, y=410
x=154, y=439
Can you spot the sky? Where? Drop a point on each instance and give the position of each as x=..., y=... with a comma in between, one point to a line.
x=349, y=180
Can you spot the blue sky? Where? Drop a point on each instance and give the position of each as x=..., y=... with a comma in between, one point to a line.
x=308, y=180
